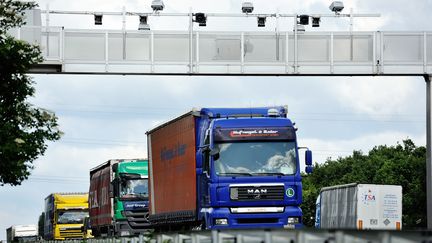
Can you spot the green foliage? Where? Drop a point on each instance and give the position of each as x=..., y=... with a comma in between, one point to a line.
x=41, y=224
x=12, y=13
x=24, y=129
x=403, y=164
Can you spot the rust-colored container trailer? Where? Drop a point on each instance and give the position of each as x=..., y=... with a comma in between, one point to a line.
x=173, y=170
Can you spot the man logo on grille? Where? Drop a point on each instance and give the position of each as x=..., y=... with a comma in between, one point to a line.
x=257, y=191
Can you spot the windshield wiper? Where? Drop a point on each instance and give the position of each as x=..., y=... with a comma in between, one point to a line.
x=235, y=174
x=269, y=173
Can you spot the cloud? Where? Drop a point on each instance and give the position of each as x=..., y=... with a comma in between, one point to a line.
x=80, y=159
x=372, y=95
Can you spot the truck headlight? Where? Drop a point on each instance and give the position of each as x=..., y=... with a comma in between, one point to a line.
x=293, y=220
x=221, y=221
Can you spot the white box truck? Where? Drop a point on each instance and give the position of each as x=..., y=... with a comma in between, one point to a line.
x=22, y=233
x=360, y=206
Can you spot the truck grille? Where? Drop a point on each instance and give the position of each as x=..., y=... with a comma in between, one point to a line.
x=257, y=193
x=137, y=219
x=71, y=233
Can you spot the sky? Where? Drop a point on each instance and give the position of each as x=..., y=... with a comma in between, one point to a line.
x=106, y=117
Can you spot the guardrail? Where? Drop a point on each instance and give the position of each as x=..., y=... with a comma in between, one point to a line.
x=199, y=52
x=273, y=236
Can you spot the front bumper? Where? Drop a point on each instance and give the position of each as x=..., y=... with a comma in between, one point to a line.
x=135, y=223
x=252, y=220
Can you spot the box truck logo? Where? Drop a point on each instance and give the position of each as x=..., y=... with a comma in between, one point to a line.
x=170, y=153
x=277, y=133
x=254, y=133
x=368, y=198
x=134, y=205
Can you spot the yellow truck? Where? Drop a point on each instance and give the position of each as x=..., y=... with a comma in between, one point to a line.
x=64, y=216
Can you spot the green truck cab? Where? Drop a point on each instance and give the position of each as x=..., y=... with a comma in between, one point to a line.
x=118, y=198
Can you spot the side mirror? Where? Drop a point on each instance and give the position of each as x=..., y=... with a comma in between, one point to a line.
x=113, y=188
x=308, y=157
x=309, y=169
x=115, y=167
x=215, y=152
x=205, y=150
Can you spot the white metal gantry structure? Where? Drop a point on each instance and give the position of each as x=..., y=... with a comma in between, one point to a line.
x=276, y=53
x=231, y=53
x=192, y=52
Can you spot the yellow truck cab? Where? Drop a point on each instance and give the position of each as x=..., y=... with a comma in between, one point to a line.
x=64, y=216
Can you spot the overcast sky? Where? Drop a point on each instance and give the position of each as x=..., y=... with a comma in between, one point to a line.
x=106, y=117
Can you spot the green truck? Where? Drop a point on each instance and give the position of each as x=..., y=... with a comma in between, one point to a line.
x=118, y=198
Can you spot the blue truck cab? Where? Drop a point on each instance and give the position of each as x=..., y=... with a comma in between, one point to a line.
x=248, y=171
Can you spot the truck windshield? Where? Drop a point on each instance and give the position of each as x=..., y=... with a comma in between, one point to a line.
x=133, y=188
x=256, y=158
x=72, y=217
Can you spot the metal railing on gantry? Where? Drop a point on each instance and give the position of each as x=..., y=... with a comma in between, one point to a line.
x=231, y=53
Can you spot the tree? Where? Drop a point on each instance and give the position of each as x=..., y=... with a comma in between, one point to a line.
x=403, y=164
x=41, y=225
x=24, y=128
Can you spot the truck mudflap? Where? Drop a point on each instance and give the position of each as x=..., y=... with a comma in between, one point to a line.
x=224, y=218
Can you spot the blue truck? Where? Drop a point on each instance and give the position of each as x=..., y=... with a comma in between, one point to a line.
x=220, y=168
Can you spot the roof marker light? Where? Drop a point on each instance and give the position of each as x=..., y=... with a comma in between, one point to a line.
x=272, y=112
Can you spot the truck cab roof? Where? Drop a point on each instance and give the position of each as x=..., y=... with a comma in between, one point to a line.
x=243, y=112
x=245, y=122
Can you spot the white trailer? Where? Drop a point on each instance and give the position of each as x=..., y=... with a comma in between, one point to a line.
x=22, y=233
x=360, y=206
